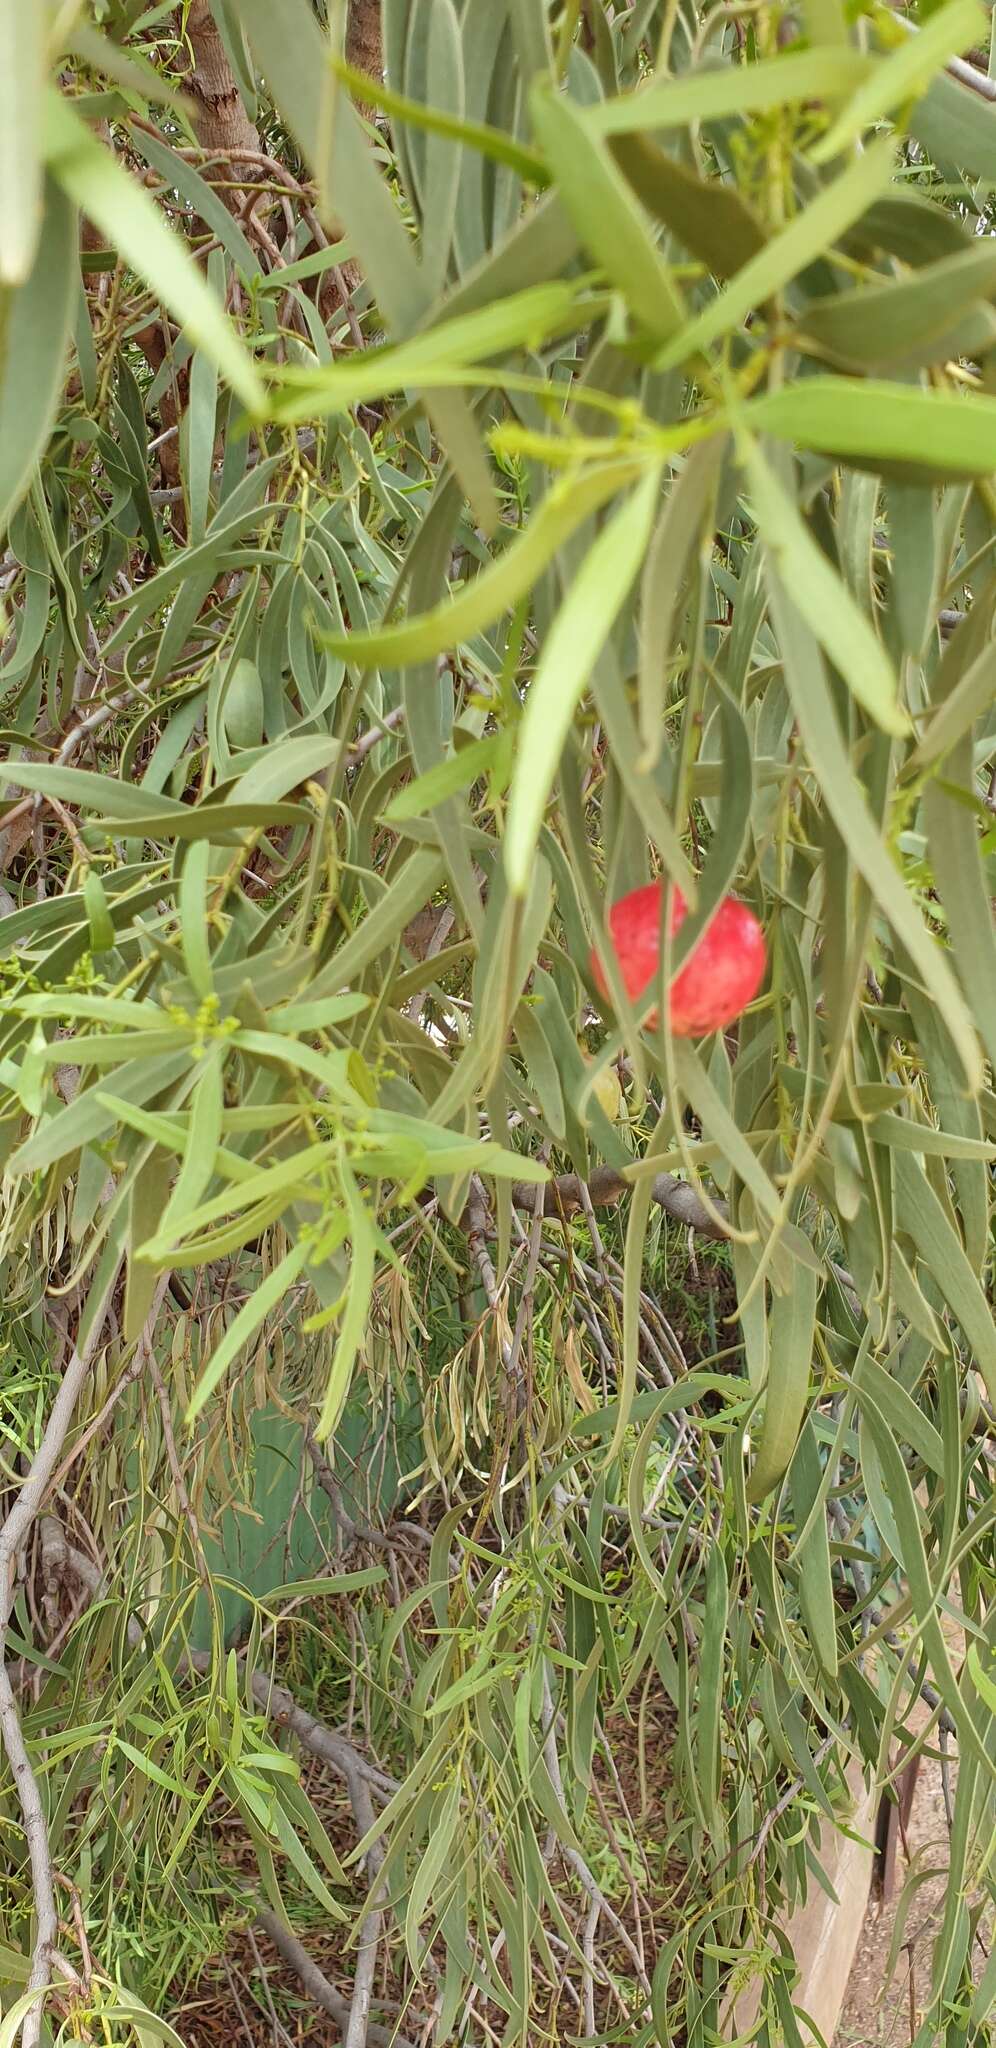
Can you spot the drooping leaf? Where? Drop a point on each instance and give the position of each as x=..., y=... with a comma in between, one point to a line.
x=574, y=642
x=34, y=337
x=22, y=82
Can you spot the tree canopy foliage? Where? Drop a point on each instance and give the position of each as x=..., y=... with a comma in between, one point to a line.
x=485, y=1475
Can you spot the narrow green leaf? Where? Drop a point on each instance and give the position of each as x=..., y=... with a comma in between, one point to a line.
x=711, y=1685
x=608, y=219
x=570, y=651
x=266, y=1299
x=477, y=603
x=815, y=1581
x=203, y=1138
x=528, y=163
x=858, y=418
x=542, y=1067
x=16, y=2014
x=678, y=532
x=913, y=1558
x=294, y=1849
x=210, y=208
x=953, y=123
x=35, y=321
x=149, y=1194
x=903, y=75
x=919, y=1212
x=710, y=219
x=889, y=322
x=842, y=628
x=134, y=72
x=531, y=30
x=319, y=1016
x=197, y=431
x=151, y=1770
x=95, y=1010
x=98, y=915
x=224, y=824
x=431, y=1868
x=294, y=56
x=87, y=1120
x=708, y=1104
x=971, y=696
x=715, y=93
x=845, y=799
x=363, y=1246
x=408, y=892
x=192, y=907
x=457, y=772
x=791, y=1325
x=527, y=318
x=900, y=1411
x=133, y=224
x=813, y=230
x=442, y=165
x=889, y=1129
x=953, y=840
x=22, y=86
x=636, y=1234
x=79, y=786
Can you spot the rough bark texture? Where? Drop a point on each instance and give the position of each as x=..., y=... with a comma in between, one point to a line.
x=220, y=117
x=364, y=46
x=563, y=1197
x=222, y=124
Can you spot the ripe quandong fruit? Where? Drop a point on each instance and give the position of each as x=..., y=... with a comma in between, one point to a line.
x=719, y=978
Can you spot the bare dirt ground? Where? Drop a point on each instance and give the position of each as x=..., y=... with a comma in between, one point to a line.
x=890, y=1977
x=889, y=1983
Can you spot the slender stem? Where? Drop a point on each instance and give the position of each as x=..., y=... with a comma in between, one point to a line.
x=13, y=1538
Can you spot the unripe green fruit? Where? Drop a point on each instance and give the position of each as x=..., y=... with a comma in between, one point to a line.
x=243, y=708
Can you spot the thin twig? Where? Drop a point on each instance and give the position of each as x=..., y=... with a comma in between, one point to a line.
x=173, y=1460
x=247, y=2027
x=525, y=1309
x=279, y=2030
x=27, y=1506
x=316, y=1984
x=588, y=1951
x=781, y=1805
x=132, y=1372
x=970, y=75
x=572, y=1857
x=381, y=731
x=13, y=1538
x=353, y=1531
x=36, y=1836
x=357, y=2031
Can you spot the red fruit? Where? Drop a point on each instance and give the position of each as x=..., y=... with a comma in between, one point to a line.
x=719, y=978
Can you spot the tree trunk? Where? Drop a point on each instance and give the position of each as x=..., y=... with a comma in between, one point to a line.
x=364, y=44
x=220, y=118
x=221, y=124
